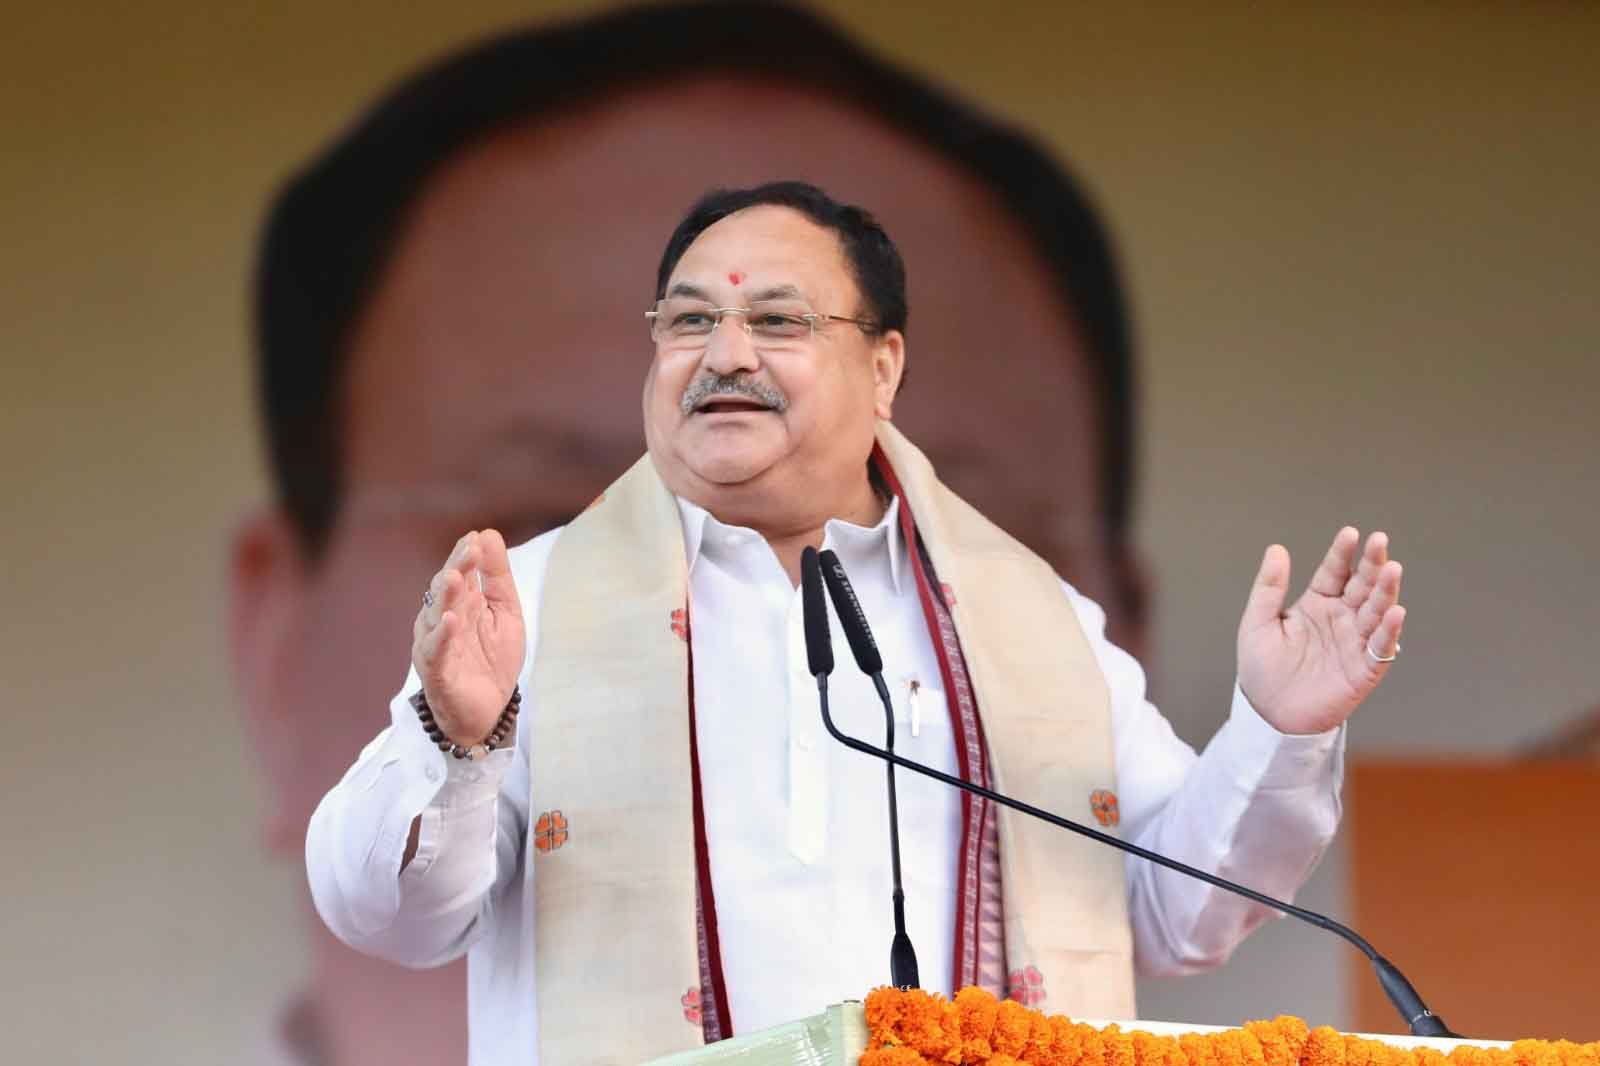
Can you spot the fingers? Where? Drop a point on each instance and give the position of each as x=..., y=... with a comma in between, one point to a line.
x=453, y=587
x=431, y=647
x=465, y=556
x=1385, y=594
x=1384, y=643
x=477, y=573
x=1365, y=577
x=445, y=590
x=1265, y=605
x=499, y=587
x=1337, y=566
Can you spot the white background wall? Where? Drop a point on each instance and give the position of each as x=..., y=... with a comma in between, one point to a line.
x=1361, y=242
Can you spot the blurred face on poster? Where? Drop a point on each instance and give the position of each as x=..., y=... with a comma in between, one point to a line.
x=494, y=379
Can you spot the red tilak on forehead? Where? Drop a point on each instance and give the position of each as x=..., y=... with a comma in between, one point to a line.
x=735, y=277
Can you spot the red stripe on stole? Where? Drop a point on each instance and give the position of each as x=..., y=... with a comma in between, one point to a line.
x=967, y=729
x=717, y=1018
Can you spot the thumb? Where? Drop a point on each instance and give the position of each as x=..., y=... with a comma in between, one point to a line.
x=499, y=587
x=1271, y=587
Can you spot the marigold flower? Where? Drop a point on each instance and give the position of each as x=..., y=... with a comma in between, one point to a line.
x=1091, y=1046
x=1324, y=1047
x=893, y=1056
x=1013, y=1024
x=978, y=1011
x=1119, y=1047
x=1275, y=1050
x=1199, y=1048
x=1357, y=1052
x=916, y=1028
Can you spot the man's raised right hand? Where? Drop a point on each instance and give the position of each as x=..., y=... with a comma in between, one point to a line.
x=468, y=644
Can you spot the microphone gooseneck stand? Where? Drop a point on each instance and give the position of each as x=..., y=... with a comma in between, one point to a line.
x=819, y=657
x=1419, y=1019
x=902, y=957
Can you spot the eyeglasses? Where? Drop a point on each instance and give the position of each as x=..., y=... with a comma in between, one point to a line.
x=683, y=324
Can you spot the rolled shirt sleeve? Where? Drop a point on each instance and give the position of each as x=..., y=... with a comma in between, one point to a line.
x=1257, y=806
x=471, y=822
x=474, y=820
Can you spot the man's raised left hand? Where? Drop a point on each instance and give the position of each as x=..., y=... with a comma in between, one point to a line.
x=1307, y=668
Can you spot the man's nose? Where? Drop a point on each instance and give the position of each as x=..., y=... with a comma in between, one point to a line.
x=731, y=348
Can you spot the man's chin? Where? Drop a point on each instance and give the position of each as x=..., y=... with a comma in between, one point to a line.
x=725, y=467
x=728, y=473
x=730, y=460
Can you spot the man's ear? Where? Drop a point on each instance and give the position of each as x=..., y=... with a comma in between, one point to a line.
x=888, y=366
x=266, y=594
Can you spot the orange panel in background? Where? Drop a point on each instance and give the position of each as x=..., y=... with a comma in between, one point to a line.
x=1482, y=882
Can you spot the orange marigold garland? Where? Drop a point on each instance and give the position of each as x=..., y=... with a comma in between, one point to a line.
x=913, y=1028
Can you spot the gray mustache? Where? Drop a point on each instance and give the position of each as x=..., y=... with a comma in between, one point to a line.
x=739, y=385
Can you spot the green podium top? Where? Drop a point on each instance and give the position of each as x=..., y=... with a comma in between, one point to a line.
x=836, y=1037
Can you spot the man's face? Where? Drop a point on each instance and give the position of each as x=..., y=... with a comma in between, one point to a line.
x=794, y=414
x=494, y=381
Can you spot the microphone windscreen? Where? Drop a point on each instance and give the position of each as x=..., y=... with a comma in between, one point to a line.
x=819, y=642
x=851, y=616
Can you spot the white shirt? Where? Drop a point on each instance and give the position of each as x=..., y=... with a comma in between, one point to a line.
x=796, y=824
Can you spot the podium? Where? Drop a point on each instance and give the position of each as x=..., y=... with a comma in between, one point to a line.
x=838, y=1037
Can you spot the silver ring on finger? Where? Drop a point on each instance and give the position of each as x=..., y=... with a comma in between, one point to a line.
x=1382, y=658
x=427, y=598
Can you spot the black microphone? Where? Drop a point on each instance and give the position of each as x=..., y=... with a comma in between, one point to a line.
x=902, y=956
x=852, y=617
x=1406, y=1000
x=819, y=641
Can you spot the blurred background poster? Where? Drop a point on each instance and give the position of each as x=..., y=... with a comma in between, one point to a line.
x=1357, y=250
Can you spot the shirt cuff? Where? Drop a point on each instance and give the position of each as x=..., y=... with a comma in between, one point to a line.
x=1262, y=757
x=468, y=782
x=463, y=787
x=451, y=782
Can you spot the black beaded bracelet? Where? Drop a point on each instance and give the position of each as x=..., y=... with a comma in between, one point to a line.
x=503, y=728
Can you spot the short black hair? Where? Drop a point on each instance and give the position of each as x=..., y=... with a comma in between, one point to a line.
x=330, y=231
x=875, y=262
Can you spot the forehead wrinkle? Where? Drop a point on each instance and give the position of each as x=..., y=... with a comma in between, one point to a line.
x=778, y=292
x=785, y=291
x=684, y=288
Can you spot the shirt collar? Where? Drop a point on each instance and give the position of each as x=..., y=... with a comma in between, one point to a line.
x=847, y=538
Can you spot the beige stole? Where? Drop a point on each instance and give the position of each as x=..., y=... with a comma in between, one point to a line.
x=613, y=839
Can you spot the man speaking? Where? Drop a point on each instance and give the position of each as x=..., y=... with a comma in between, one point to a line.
x=606, y=778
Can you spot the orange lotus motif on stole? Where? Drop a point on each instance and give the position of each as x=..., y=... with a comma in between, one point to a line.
x=1103, y=802
x=550, y=831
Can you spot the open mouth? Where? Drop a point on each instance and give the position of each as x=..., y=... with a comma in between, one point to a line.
x=729, y=406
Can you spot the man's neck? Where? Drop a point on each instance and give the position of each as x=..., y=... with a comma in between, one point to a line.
x=792, y=530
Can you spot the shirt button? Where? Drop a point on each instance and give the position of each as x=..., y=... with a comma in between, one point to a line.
x=433, y=773
x=806, y=742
